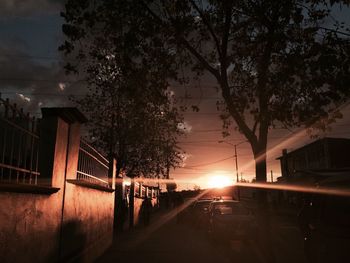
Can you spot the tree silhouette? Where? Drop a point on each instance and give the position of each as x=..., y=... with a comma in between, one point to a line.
x=132, y=114
x=275, y=62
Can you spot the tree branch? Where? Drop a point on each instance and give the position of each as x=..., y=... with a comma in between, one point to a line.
x=184, y=42
x=224, y=43
x=206, y=22
x=255, y=126
x=199, y=57
x=237, y=116
x=335, y=31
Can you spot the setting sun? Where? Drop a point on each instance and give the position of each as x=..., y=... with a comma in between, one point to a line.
x=219, y=181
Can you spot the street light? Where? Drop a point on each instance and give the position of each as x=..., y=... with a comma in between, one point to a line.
x=236, y=161
x=236, y=156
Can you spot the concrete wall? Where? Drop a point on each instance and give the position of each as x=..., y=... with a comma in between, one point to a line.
x=87, y=222
x=137, y=208
x=72, y=223
x=30, y=227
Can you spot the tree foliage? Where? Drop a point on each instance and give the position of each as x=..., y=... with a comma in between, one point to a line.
x=171, y=186
x=132, y=114
x=275, y=62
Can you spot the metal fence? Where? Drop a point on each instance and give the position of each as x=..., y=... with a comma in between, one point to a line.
x=19, y=145
x=92, y=166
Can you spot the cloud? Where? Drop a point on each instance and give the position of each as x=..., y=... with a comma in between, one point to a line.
x=31, y=83
x=24, y=98
x=15, y=8
x=184, y=158
x=184, y=127
x=61, y=86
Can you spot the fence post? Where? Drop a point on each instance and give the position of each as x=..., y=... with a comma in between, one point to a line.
x=59, y=135
x=52, y=150
x=73, y=150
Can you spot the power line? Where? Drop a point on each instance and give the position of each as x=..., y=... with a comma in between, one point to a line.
x=66, y=81
x=208, y=146
x=210, y=130
x=206, y=141
x=42, y=80
x=42, y=94
x=205, y=164
x=27, y=57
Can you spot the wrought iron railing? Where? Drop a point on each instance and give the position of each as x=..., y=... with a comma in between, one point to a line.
x=19, y=145
x=92, y=166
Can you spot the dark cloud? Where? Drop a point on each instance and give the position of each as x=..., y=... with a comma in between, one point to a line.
x=14, y=8
x=33, y=82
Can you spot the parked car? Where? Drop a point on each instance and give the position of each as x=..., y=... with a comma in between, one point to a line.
x=194, y=212
x=184, y=214
x=199, y=212
x=230, y=220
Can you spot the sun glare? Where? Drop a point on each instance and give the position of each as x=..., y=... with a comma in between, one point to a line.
x=219, y=181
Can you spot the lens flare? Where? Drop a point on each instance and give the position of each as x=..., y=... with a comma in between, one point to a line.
x=219, y=181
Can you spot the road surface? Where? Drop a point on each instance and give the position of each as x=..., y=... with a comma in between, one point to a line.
x=166, y=241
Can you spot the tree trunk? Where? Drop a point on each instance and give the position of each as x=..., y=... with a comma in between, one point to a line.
x=263, y=216
x=260, y=167
x=131, y=202
x=118, y=204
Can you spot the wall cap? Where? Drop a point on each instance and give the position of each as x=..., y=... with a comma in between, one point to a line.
x=27, y=188
x=90, y=185
x=68, y=114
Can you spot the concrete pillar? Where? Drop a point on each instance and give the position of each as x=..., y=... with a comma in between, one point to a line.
x=59, y=145
x=132, y=202
x=120, y=213
x=73, y=150
x=53, y=145
x=59, y=142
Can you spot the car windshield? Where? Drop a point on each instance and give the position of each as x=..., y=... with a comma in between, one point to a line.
x=202, y=205
x=230, y=209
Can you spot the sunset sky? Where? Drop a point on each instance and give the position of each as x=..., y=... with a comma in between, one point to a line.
x=31, y=74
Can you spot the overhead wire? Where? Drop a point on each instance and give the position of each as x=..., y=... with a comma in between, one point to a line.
x=209, y=163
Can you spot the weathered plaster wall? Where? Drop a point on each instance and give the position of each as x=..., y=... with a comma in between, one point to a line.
x=30, y=223
x=76, y=223
x=137, y=209
x=87, y=221
x=30, y=226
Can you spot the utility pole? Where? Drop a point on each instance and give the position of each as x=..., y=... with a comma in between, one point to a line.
x=271, y=176
x=236, y=162
x=236, y=158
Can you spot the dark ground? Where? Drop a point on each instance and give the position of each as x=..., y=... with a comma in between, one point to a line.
x=164, y=240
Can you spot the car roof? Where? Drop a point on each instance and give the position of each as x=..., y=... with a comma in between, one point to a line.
x=226, y=201
x=204, y=200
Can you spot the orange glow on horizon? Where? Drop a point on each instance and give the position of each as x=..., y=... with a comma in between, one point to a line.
x=219, y=181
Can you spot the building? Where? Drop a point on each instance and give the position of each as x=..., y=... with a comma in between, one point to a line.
x=320, y=155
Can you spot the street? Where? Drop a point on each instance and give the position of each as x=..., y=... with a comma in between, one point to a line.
x=172, y=242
